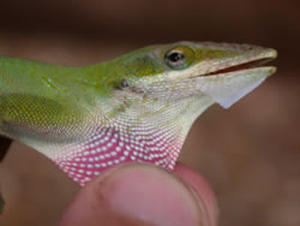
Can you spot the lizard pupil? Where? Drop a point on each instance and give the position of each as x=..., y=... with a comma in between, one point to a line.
x=175, y=57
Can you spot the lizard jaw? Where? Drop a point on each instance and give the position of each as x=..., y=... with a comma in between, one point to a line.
x=228, y=81
x=227, y=88
x=242, y=67
x=252, y=60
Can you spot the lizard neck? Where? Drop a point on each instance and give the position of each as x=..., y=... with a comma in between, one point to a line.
x=155, y=139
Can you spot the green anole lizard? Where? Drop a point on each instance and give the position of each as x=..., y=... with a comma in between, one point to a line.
x=136, y=107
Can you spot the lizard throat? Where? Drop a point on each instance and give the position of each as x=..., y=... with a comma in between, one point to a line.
x=111, y=146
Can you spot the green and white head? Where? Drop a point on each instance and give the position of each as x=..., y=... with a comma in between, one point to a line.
x=176, y=72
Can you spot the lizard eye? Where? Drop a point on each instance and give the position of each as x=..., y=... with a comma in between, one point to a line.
x=179, y=58
x=174, y=58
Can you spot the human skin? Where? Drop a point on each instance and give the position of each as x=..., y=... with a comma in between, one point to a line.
x=142, y=194
x=138, y=194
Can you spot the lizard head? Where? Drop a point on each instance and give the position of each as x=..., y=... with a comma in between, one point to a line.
x=167, y=87
x=223, y=72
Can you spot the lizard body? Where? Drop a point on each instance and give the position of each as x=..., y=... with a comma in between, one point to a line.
x=136, y=107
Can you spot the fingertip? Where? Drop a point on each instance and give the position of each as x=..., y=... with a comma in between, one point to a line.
x=196, y=182
x=134, y=194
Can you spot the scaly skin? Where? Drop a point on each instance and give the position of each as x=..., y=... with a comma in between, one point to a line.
x=137, y=107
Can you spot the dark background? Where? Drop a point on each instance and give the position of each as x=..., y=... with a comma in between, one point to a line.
x=250, y=154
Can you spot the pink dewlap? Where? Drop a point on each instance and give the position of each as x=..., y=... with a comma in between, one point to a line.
x=110, y=147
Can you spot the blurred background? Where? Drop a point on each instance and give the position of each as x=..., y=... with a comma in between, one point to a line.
x=250, y=153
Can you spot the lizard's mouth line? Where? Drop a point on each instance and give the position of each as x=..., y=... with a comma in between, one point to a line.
x=244, y=66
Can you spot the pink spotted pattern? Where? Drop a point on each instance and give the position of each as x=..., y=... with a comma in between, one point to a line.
x=111, y=146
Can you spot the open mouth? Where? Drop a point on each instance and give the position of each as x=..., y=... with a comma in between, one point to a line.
x=243, y=66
